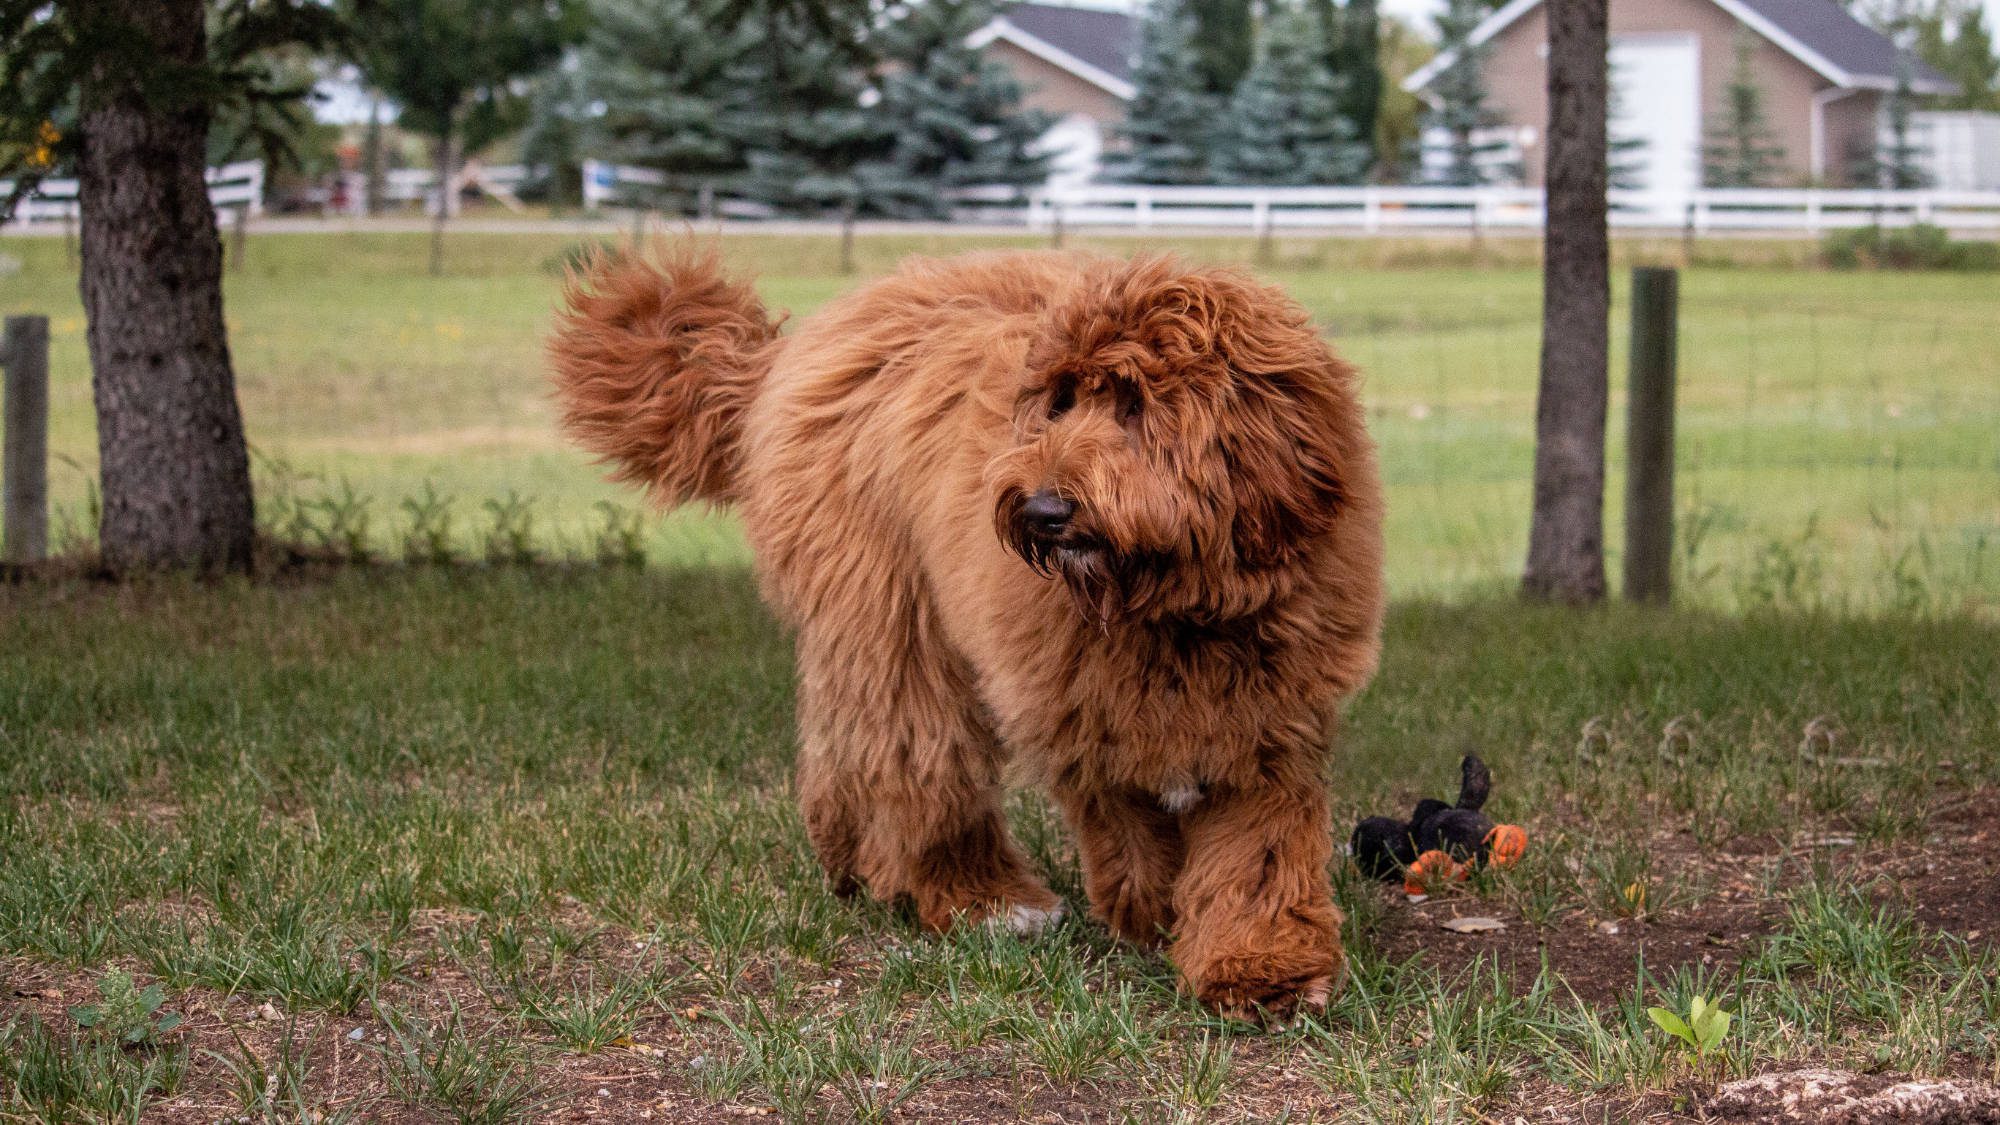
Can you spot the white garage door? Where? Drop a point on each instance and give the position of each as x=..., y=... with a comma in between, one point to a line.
x=1658, y=84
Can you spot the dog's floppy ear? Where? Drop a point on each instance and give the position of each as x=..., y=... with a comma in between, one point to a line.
x=1295, y=429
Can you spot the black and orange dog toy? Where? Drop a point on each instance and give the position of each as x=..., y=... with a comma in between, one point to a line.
x=1439, y=842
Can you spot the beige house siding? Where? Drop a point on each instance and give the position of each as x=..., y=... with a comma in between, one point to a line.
x=1516, y=81
x=1051, y=88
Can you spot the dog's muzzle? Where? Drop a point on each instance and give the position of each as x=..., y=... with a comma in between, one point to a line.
x=1045, y=516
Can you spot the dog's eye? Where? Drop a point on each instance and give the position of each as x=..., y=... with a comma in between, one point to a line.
x=1061, y=401
x=1128, y=412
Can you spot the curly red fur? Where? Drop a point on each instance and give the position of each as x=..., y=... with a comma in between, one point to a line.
x=656, y=359
x=1168, y=659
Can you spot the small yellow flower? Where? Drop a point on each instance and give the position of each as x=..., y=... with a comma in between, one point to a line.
x=43, y=156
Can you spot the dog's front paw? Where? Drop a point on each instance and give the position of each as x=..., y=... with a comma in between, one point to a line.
x=1271, y=990
x=1269, y=1003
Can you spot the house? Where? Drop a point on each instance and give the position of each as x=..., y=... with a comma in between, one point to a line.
x=1074, y=62
x=1823, y=75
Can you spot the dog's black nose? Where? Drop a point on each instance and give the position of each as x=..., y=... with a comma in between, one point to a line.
x=1047, y=514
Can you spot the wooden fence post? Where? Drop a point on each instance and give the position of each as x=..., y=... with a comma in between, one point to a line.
x=24, y=352
x=1649, y=435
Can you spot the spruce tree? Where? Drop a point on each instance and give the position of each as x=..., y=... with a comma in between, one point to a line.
x=1357, y=63
x=558, y=133
x=1225, y=43
x=812, y=146
x=673, y=78
x=1626, y=155
x=954, y=113
x=1170, y=122
x=1285, y=124
x=1460, y=92
x=1895, y=161
x=1741, y=151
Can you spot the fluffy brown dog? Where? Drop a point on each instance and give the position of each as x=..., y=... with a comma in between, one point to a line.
x=1113, y=526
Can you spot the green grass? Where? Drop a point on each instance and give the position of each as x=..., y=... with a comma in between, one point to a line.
x=500, y=841
x=526, y=827
x=1839, y=432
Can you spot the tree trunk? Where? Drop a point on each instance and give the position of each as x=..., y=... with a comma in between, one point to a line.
x=447, y=200
x=176, y=473
x=1566, y=540
x=371, y=159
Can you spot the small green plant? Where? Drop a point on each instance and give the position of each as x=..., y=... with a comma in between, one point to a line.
x=577, y=256
x=1923, y=246
x=621, y=541
x=344, y=531
x=511, y=539
x=1702, y=1030
x=428, y=538
x=126, y=1013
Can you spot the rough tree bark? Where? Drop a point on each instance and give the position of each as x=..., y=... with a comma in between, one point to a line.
x=1566, y=539
x=447, y=200
x=175, y=470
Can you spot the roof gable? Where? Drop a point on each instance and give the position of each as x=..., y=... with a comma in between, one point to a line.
x=1094, y=44
x=1821, y=34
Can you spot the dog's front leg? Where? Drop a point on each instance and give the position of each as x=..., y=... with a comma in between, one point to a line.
x=1257, y=934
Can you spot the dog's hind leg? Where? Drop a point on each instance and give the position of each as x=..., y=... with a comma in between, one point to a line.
x=1132, y=854
x=899, y=782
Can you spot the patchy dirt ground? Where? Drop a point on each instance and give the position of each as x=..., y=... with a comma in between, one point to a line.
x=1952, y=887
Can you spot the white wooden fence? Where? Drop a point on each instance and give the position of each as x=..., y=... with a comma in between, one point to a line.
x=410, y=185
x=231, y=188
x=1376, y=209
x=240, y=186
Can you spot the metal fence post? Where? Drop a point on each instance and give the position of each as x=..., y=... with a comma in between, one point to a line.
x=1649, y=435
x=24, y=352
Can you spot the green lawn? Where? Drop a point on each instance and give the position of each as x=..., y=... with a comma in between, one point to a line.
x=1840, y=433
x=516, y=842
x=493, y=840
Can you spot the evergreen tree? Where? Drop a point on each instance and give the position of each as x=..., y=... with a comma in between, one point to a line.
x=1741, y=151
x=1170, y=121
x=954, y=113
x=1357, y=63
x=128, y=90
x=1896, y=159
x=1460, y=92
x=1285, y=124
x=553, y=144
x=667, y=85
x=1224, y=43
x=1626, y=156
x=812, y=146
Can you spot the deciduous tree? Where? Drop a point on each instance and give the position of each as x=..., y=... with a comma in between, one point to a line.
x=1566, y=538
x=455, y=70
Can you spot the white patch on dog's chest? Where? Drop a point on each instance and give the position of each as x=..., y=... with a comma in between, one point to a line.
x=1180, y=798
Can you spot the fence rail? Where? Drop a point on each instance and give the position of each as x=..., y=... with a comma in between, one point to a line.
x=231, y=188
x=1373, y=209
x=239, y=187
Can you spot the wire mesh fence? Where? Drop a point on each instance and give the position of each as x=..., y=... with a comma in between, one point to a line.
x=1838, y=442
x=1839, y=433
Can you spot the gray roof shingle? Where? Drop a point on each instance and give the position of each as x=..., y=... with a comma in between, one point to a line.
x=1104, y=39
x=1827, y=28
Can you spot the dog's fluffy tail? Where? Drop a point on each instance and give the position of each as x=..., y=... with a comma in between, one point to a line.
x=656, y=357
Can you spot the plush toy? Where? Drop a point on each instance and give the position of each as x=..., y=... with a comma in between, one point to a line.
x=1439, y=842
